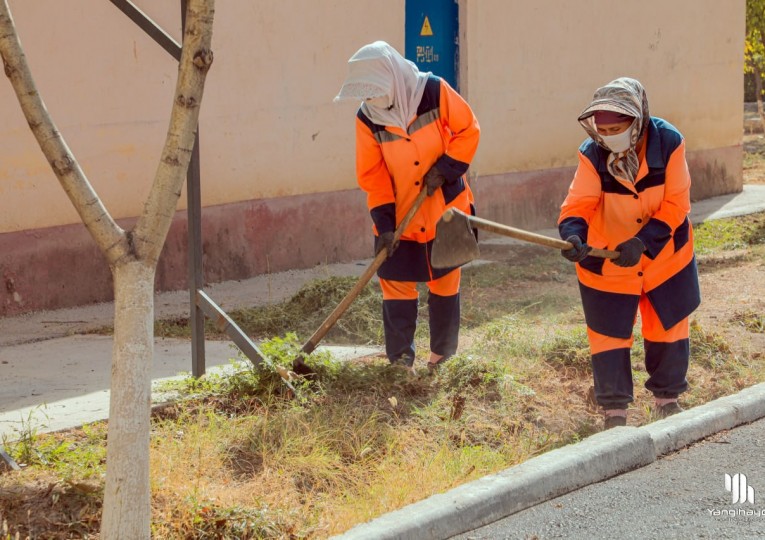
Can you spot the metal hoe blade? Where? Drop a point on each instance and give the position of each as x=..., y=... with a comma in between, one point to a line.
x=455, y=244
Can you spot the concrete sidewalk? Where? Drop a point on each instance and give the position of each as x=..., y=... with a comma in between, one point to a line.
x=54, y=379
x=58, y=380
x=63, y=382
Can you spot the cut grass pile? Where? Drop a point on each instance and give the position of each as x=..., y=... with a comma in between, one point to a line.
x=236, y=459
x=302, y=314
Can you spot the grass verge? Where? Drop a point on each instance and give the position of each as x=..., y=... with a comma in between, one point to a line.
x=235, y=459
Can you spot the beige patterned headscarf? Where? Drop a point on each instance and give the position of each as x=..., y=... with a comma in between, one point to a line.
x=378, y=70
x=627, y=96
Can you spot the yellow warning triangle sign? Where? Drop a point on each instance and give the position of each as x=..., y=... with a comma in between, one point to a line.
x=426, y=29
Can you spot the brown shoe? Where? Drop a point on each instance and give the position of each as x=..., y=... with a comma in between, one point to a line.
x=433, y=366
x=614, y=421
x=668, y=409
x=404, y=363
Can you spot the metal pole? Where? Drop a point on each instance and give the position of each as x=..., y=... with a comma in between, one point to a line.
x=199, y=301
x=196, y=279
x=196, y=275
x=150, y=27
x=224, y=323
x=7, y=461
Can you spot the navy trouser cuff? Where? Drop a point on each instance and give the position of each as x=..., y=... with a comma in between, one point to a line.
x=444, y=313
x=612, y=374
x=399, y=322
x=667, y=365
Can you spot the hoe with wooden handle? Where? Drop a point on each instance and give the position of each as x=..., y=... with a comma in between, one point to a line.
x=298, y=364
x=455, y=244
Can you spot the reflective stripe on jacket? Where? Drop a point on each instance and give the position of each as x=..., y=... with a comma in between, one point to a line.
x=390, y=162
x=605, y=211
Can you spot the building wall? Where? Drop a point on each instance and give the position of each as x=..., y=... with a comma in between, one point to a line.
x=277, y=156
x=268, y=126
x=532, y=67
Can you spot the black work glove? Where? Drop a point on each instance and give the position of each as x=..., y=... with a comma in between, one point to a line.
x=578, y=250
x=385, y=240
x=629, y=252
x=433, y=180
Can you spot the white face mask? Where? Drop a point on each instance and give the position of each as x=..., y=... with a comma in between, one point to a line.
x=620, y=142
x=382, y=102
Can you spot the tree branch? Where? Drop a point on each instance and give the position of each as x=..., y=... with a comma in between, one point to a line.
x=196, y=58
x=109, y=237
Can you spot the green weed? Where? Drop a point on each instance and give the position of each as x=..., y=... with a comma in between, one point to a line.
x=708, y=349
x=719, y=235
x=22, y=447
x=568, y=348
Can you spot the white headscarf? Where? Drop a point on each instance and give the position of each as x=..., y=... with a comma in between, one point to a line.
x=379, y=70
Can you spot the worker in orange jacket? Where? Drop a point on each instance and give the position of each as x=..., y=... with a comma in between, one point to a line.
x=413, y=132
x=630, y=193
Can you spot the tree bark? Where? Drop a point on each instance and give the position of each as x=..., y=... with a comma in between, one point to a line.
x=196, y=59
x=127, y=500
x=127, y=497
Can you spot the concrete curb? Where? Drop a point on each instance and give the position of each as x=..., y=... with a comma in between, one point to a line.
x=679, y=431
x=560, y=471
x=493, y=497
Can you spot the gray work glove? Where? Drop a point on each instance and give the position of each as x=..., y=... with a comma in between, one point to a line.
x=385, y=240
x=578, y=250
x=630, y=252
x=433, y=180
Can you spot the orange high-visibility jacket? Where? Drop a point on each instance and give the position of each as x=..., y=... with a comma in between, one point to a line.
x=391, y=162
x=605, y=211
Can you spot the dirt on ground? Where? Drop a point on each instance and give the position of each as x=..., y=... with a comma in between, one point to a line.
x=732, y=289
x=732, y=293
x=733, y=304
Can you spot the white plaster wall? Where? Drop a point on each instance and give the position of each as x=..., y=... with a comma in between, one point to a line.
x=268, y=124
x=108, y=89
x=270, y=127
x=533, y=67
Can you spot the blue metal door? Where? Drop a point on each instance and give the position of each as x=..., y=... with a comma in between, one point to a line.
x=431, y=32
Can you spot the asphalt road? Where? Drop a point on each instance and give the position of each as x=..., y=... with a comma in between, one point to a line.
x=683, y=495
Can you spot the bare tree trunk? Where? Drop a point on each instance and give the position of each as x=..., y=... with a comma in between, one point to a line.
x=758, y=89
x=127, y=497
x=127, y=504
x=132, y=257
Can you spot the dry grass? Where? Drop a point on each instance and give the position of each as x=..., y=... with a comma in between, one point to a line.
x=236, y=459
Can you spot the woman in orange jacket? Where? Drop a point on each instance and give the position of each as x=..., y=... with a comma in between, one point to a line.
x=413, y=132
x=630, y=193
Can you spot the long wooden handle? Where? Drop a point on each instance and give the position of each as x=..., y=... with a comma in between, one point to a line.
x=330, y=321
x=534, y=238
